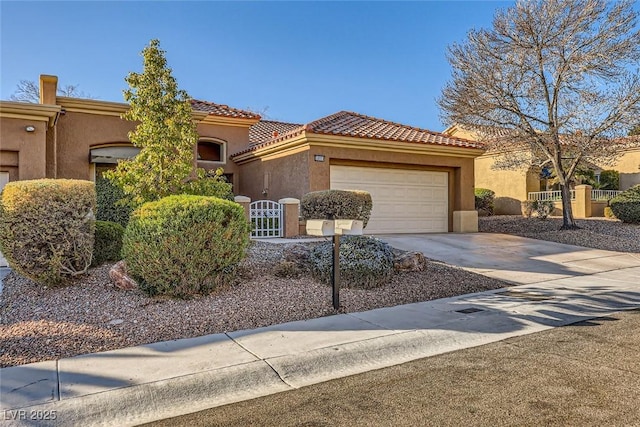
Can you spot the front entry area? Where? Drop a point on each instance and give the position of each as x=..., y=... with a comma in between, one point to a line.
x=404, y=200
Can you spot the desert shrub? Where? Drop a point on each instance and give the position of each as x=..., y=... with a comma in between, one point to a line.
x=111, y=204
x=538, y=208
x=337, y=204
x=47, y=228
x=210, y=183
x=484, y=200
x=184, y=245
x=608, y=213
x=365, y=262
x=108, y=242
x=626, y=205
x=609, y=180
x=287, y=270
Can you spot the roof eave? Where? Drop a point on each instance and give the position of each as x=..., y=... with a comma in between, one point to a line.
x=391, y=145
x=29, y=111
x=214, y=119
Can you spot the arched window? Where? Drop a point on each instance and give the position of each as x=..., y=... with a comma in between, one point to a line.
x=210, y=150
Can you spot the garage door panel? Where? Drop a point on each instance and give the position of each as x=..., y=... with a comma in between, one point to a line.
x=404, y=201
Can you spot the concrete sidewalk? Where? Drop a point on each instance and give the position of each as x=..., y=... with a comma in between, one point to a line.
x=140, y=384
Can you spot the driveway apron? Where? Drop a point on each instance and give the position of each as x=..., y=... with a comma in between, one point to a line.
x=518, y=260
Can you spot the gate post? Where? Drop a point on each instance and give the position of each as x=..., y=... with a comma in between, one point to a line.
x=290, y=213
x=583, y=201
x=244, y=201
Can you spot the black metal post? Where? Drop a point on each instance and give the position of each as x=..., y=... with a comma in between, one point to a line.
x=335, y=282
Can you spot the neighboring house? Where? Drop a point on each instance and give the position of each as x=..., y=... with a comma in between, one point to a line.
x=513, y=186
x=420, y=181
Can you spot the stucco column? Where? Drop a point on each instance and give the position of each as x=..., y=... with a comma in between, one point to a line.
x=583, y=201
x=291, y=209
x=244, y=201
x=465, y=221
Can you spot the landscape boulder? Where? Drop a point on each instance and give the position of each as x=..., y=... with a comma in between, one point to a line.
x=120, y=278
x=410, y=261
x=296, y=253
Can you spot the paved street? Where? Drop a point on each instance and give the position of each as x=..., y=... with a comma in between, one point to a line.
x=587, y=374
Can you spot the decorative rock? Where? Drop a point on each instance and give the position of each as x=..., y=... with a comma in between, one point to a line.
x=116, y=322
x=120, y=278
x=296, y=253
x=410, y=261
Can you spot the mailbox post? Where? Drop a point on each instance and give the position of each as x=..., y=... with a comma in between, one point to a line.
x=335, y=228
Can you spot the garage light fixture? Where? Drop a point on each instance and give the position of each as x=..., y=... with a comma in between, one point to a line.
x=30, y=128
x=318, y=158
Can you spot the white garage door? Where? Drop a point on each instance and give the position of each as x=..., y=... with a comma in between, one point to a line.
x=404, y=201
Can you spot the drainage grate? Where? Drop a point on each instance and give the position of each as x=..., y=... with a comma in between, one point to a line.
x=469, y=310
x=525, y=295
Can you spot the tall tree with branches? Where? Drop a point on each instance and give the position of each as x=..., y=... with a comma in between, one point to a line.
x=28, y=91
x=553, y=83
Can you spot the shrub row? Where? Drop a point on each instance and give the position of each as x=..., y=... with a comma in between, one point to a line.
x=626, y=205
x=337, y=204
x=365, y=262
x=108, y=242
x=110, y=202
x=184, y=245
x=47, y=228
x=484, y=200
x=539, y=208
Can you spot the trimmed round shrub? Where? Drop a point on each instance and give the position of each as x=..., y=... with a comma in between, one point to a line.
x=365, y=262
x=110, y=203
x=47, y=228
x=337, y=204
x=626, y=205
x=184, y=245
x=108, y=242
x=485, y=200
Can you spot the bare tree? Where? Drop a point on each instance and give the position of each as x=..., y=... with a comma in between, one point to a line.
x=28, y=91
x=554, y=82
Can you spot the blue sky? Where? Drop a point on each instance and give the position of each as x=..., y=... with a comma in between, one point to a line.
x=299, y=60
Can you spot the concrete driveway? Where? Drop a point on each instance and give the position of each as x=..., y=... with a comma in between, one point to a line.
x=519, y=260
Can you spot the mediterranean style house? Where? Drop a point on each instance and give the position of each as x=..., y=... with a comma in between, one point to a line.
x=420, y=181
x=513, y=186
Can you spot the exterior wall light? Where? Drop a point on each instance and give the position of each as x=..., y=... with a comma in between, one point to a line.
x=318, y=158
x=30, y=128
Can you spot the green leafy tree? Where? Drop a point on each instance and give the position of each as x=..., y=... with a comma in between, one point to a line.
x=166, y=133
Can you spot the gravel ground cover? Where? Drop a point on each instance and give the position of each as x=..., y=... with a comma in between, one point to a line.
x=597, y=233
x=91, y=315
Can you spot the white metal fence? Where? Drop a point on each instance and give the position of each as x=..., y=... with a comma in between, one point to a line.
x=557, y=195
x=266, y=218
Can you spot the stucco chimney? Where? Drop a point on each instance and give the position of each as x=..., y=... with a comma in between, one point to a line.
x=48, y=89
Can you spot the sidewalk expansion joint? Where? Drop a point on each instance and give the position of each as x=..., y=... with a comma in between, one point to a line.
x=278, y=374
x=57, y=397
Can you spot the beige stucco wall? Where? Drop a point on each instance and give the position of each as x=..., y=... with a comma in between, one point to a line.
x=296, y=173
x=22, y=153
x=629, y=167
x=77, y=133
x=511, y=186
x=236, y=138
x=286, y=176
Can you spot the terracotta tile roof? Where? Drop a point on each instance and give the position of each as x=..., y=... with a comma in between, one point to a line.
x=265, y=130
x=345, y=123
x=222, y=110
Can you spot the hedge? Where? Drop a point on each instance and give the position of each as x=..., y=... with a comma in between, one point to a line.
x=337, y=204
x=626, y=205
x=47, y=228
x=184, y=245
